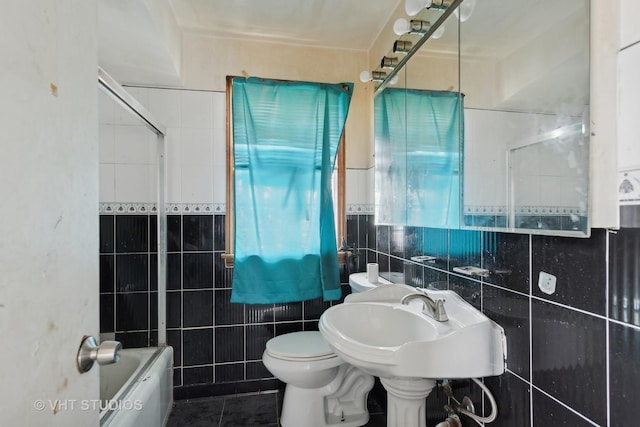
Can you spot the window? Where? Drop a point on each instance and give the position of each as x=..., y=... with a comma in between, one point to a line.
x=338, y=187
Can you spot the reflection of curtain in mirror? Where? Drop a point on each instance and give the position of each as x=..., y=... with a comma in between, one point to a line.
x=390, y=146
x=285, y=141
x=433, y=129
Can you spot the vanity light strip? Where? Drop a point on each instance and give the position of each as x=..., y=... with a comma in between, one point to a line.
x=445, y=14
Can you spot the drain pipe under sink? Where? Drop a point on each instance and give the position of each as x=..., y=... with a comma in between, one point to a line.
x=454, y=421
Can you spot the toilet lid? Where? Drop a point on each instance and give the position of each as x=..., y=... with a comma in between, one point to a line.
x=299, y=345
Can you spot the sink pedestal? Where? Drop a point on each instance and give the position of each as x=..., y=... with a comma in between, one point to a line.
x=406, y=401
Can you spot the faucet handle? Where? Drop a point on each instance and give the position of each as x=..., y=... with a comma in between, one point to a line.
x=441, y=313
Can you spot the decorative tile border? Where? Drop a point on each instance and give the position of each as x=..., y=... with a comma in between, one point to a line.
x=360, y=209
x=525, y=210
x=485, y=210
x=550, y=210
x=196, y=208
x=170, y=208
x=127, y=208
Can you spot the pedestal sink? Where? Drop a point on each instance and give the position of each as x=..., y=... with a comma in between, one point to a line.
x=408, y=349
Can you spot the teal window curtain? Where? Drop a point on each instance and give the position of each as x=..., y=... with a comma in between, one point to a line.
x=429, y=124
x=285, y=141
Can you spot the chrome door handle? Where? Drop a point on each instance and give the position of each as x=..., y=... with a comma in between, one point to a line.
x=106, y=353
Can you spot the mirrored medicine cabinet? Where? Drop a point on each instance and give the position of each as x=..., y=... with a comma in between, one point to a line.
x=510, y=150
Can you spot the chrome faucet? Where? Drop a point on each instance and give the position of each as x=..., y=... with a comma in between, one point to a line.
x=433, y=308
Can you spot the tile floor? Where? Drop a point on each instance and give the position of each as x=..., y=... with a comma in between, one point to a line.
x=243, y=411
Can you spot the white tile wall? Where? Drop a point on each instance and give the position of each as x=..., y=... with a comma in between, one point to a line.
x=107, y=145
x=133, y=144
x=487, y=167
x=165, y=106
x=359, y=187
x=107, y=181
x=196, y=109
x=195, y=151
x=195, y=148
x=132, y=183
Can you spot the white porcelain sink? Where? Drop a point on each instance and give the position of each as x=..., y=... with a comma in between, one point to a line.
x=409, y=349
x=374, y=331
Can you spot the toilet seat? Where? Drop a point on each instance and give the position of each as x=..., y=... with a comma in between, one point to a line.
x=300, y=346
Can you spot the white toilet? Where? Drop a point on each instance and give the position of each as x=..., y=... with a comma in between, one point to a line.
x=321, y=389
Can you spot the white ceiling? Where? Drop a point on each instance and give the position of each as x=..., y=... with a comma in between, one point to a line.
x=135, y=35
x=137, y=38
x=352, y=24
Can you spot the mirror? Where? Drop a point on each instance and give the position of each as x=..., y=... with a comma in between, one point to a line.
x=418, y=125
x=525, y=74
x=523, y=71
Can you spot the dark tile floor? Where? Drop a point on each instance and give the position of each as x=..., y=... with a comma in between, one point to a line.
x=243, y=411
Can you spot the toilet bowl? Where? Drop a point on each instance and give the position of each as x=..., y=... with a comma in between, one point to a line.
x=321, y=389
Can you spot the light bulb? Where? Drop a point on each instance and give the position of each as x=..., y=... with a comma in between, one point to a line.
x=365, y=76
x=438, y=33
x=465, y=10
x=412, y=7
x=401, y=26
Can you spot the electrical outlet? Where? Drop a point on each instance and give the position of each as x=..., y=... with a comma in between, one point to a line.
x=547, y=283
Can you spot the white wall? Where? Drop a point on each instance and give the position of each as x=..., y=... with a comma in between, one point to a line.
x=605, y=18
x=206, y=61
x=629, y=105
x=49, y=192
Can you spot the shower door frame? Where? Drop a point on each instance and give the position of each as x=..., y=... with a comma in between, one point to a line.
x=112, y=88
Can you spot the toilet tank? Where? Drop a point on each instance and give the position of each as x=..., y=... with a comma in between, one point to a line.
x=359, y=282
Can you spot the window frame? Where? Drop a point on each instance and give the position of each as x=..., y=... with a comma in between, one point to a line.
x=339, y=204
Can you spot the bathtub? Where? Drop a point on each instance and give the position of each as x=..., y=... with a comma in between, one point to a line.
x=138, y=390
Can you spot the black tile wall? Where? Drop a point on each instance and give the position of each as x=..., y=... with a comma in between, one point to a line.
x=511, y=311
x=132, y=233
x=174, y=233
x=557, y=344
x=217, y=345
x=197, y=347
x=572, y=359
x=106, y=234
x=132, y=274
x=548, y=412
x=624, y=276
x=580, y=268
x=624, y=354
x=512, y=398
x=198, y=308
x=198, y=375
x=197, y=233
x=197, y=270
x=568, y=345
x=506, y=256
x=107, y=279
x=107, y=313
